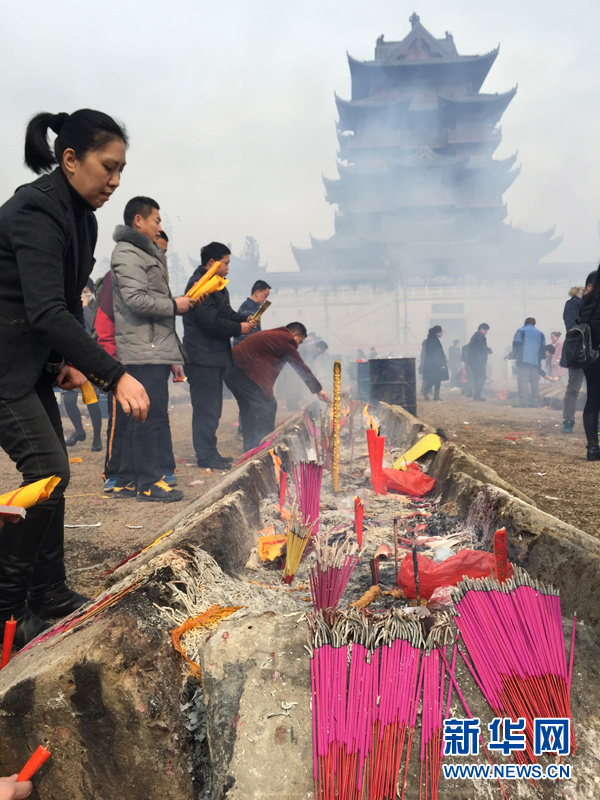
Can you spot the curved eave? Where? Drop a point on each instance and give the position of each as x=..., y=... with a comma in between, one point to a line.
x=471, y=68
x=351, y=111
x=489, y=105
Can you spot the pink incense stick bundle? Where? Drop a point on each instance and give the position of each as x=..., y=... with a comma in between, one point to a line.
x=366, y=681
x=513, y=634
x=334, y=566
x=307, y=479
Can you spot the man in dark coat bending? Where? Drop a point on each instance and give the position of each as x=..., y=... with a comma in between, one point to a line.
x=258, y=361
x=207, y=343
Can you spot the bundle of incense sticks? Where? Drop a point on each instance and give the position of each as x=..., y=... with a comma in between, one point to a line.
x=298, y=534
x=307, y=479
x=513, y=634
x=366, y=681
x=334, y=566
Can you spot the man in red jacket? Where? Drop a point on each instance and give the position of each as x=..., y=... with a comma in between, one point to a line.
x=258, y=361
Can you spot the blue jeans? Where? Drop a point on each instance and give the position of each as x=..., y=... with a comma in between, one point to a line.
x=31, y=551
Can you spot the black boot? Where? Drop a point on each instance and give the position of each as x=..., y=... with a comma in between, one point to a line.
x=19, y=544
x=55, y=601
x=590, y=426
x=96, y=444
x=78, y=436
x=29, y=627
x=49, y=597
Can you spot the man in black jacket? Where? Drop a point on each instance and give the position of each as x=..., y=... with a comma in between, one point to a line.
x=258, y=296
x=207, y=342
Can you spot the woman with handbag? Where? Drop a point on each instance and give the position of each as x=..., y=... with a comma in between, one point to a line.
x=589, y=313
x=47, y=236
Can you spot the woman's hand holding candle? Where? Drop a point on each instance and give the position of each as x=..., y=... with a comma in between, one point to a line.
x=11, y=790
x=70, y=378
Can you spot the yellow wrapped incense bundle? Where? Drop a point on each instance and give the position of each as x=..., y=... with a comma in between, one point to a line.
x=200, y=286
x=88, y=395
x=258, y=314
x=27, y=496
x=335, y=455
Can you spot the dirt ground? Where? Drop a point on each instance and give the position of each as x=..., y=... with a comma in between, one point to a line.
x=525, y=446
x=126, y=525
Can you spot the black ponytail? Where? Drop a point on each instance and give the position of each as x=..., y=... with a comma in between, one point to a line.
x=83, y=130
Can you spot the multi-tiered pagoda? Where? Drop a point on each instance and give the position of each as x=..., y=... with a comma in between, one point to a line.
x=419, y=194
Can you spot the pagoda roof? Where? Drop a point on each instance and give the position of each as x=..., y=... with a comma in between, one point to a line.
x=488, y=106
x=491, y=106
x=426, y=158
x=472, y=70
x=420, y=55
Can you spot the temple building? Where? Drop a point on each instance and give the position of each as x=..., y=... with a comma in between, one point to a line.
x=420, y=235
x=419, y=193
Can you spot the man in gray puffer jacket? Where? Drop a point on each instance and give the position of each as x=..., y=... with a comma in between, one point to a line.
x=147, y=344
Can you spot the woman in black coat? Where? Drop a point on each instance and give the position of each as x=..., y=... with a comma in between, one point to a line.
x=590, y=313
x=47, y=238
x=433, y=363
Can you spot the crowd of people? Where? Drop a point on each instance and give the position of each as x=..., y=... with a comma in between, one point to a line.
x=534, y=358
x=48, y=234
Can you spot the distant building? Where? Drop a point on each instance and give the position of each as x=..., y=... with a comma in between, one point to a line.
x=420, y=234
x=419, y=193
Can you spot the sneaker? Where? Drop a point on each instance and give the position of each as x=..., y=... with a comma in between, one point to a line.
x=568, y=426
x=159, y=492
x=109, y=484
x=125, y=491
x=169, y=478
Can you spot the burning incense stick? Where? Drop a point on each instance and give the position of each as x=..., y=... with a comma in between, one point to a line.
x=335, y=459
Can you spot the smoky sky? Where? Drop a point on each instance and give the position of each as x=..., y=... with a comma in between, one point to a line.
x=231, y=113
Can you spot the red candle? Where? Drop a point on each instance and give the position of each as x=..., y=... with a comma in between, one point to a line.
x=379, y=445
x=500, y=553
x=359, y=510
x=371, y=434
x=7, y=643
x=282, y=488
x=35, y=762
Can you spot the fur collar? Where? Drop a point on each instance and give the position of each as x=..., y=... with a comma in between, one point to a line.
x=123, y=233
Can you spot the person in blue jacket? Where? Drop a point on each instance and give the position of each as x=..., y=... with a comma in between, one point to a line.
x=528, y=347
